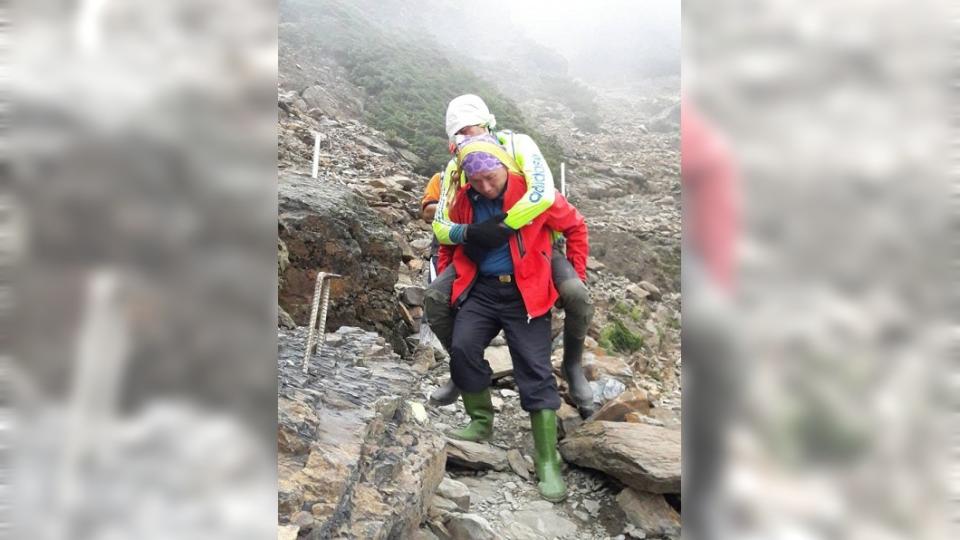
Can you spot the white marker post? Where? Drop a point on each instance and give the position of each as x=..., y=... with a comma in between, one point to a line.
x=316, y=153
x=563, y=179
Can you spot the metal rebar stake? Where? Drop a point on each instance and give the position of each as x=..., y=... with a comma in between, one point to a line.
x=322, y=289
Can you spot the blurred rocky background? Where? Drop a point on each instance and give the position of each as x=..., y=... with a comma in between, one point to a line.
x=139, y=292
x=837, y=118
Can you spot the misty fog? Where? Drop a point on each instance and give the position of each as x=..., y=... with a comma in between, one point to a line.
x=605, y=39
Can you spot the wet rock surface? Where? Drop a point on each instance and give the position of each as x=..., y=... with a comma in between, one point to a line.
x=649, y=513
x=644, y=457
x=326, y=227
x=351, y=452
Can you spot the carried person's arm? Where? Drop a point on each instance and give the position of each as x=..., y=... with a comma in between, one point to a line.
x=540, y=189
x=446, y=231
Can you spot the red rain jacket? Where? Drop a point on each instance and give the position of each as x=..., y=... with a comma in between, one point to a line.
x=530, y=248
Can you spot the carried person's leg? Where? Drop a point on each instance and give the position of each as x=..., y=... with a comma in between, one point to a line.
x=440, y=317
x=529, y=343
x=476, y=325
x=578, y=308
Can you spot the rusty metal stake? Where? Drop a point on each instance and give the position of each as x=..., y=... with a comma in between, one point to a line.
x=322, y=288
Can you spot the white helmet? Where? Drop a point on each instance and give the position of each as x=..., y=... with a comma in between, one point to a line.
x=468, y=110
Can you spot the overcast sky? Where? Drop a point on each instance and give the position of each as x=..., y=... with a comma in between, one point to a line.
x=612, y=32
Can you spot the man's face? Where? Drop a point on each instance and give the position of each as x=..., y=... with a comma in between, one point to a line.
x=489, y=183
x=471, y=131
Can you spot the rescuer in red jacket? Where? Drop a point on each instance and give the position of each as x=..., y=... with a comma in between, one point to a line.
x=508, y=286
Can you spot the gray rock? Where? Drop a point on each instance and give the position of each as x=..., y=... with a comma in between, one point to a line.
x=441, y=507
x=287, y=532
x=649, y=513
x=413, y=296
x=500, y=361
x=518, y=464
x=539, y=506
x=547, y=523
x=654, y=291
x=594, y=265
x=455, y=491
x=317, y=464
x=641, y=456
x=289, y=496
x=470, y=527
x=483, y=489
x=591, y=506
x=478, y=456
x=421, y=245
x=518, y=531
x=303, y=520
x=637, y=292
x=327, y=227
x=424, y=534
x=437, y=527
x=374, y=144
x=410, y=157
x=606, y=389
x=316, y=97
x=284, y=320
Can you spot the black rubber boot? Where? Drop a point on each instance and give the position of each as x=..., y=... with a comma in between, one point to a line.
x=445, y=395
x=580, y=389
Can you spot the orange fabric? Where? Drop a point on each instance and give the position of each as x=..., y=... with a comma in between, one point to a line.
x=432, y=193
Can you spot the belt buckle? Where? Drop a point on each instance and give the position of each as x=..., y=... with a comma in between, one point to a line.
x=505, y=279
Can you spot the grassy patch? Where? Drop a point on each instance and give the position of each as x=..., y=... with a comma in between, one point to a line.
x=617, y=337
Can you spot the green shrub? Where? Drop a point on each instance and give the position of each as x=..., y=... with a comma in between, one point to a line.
x=618, y=337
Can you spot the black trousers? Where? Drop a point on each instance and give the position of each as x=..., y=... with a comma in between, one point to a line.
x=490, y=307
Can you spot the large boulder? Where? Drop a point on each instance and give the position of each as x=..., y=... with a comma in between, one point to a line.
x=644, y=457
x=327, y=227
x=351, y=450
x=475, y=455
x=649, y=513
x=616, y=410
x=470, y=527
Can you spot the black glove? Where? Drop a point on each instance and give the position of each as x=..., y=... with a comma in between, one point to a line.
x=476, y=253
x=489, y=234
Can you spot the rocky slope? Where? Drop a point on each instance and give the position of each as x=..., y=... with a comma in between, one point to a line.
x=359, y=218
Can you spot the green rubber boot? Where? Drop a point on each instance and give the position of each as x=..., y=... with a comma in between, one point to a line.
x=480, y=409
x=547, y=460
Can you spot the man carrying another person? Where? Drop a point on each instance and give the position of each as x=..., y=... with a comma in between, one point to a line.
x=507, y=286
x=467, y=116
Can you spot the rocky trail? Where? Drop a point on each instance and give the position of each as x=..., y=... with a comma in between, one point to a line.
x=362, y=453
